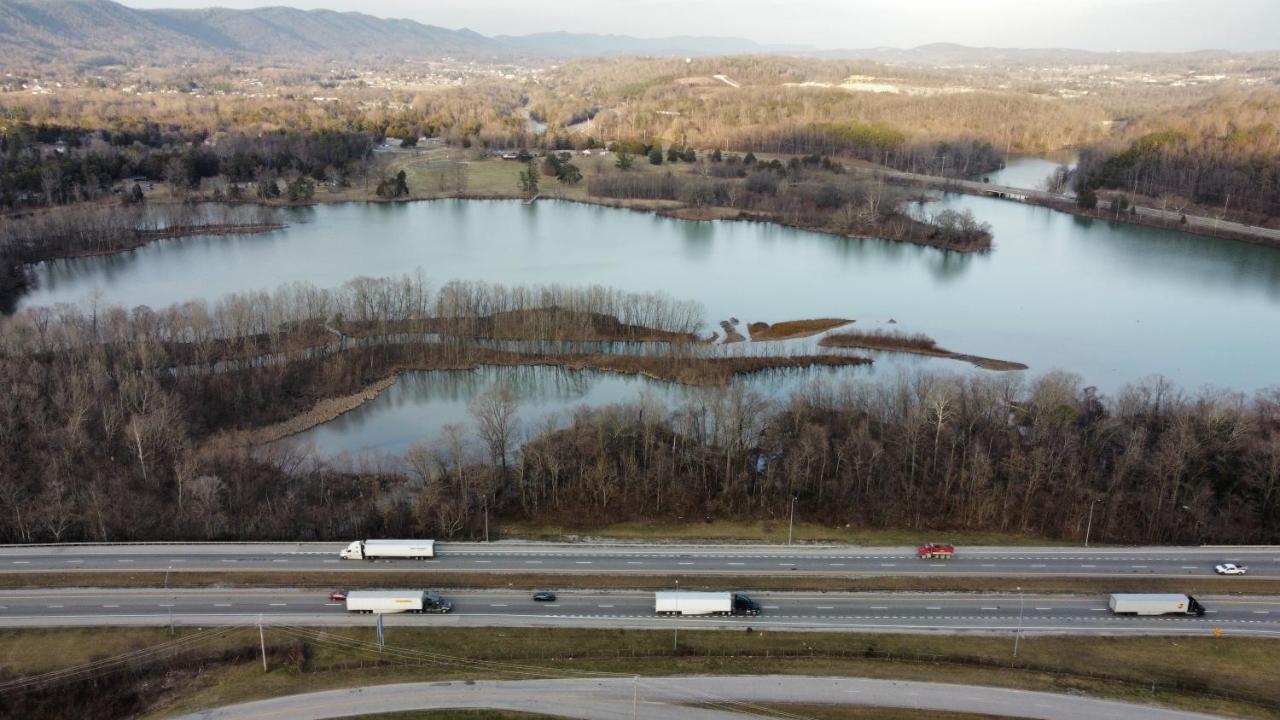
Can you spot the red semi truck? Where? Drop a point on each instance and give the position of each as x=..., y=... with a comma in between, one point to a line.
x=930, y=551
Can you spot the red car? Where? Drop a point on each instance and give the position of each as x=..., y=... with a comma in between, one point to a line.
x=338, y=595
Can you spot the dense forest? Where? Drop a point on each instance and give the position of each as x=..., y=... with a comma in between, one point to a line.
x=1223, y=155
x=102, y=403
x=46, y=165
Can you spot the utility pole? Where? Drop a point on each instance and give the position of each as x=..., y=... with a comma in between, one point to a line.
x=792, y=522
x=1018, y=634
x=262, y=639
x=635, y=697
x=486, y=518
x=1089, y=526
x=675, y=640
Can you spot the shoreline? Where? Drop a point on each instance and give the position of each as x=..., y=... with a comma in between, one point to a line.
x=888, y=344
x=328, y=409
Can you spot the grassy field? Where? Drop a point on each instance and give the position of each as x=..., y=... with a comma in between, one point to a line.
x=1227, y=675
x=453, y=715
x=845, y=712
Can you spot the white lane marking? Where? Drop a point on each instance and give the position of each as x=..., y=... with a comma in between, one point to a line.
x=785, y=564
x=231, y=560
x=988, y=565
x=1261, y=612
x=1190, y=567
x=222, y=604
x=1137, y=566
x=1038, y=566
x=55, y=607
x=634, y=562
x=770, y=607
x=604, y=606
x=21, y=562
x=582, y=562
x=497, y=605
x=332, y=561
x=990, y=608
x=824, y=607
x=1089, y=566
x=279, y=561
x=123, y=560
x=879, y=607
x=933, y=608
x=174, y=560
x=278, y=604
x=1097, y=609
x=334, y=604
x=164, y=605
x=482, y=561
x=532, y=562
x=888, y=564
x=75, y=561
x=684, y=563
x=1040, y=608
x=737, y=563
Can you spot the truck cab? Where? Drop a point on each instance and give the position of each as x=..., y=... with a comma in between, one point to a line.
x=354, y=551
x=744, y=605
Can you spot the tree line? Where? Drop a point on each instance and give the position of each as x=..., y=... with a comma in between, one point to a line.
x=1223, y=156
x=45, y=165
x=103, y=403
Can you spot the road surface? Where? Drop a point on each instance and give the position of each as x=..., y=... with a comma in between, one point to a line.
x=650, y=559
x=944, y=612
x=736, y=697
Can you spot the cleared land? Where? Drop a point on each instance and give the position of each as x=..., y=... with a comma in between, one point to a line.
x=1216, y=675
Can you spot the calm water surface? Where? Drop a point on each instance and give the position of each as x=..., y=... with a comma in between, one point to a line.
x=419, y=406
x=1111, y=302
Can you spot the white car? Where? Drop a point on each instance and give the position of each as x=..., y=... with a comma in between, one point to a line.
x=1230, y=569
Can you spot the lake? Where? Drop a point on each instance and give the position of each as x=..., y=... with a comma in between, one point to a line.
x=1112, y=302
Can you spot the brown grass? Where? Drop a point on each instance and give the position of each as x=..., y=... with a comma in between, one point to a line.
x=791, y=329
x=915, y=344
x=1228, y=675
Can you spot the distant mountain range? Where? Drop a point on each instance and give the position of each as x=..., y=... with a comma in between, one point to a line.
x=102, y=31
x=35, y=32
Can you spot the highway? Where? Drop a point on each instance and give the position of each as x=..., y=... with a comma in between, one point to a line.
x=633, y=609
x=618, y=558
x=686, y=698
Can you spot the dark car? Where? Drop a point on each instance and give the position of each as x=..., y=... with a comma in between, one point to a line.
x=338, y=595
x=544, y=596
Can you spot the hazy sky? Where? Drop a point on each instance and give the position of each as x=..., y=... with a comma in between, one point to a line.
x=1088, y=24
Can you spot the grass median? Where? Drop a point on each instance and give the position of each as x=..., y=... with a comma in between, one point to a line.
x=1219, y=675
x=451, y=580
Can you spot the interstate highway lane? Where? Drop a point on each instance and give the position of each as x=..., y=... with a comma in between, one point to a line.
x=648, y=559
x=799, y=611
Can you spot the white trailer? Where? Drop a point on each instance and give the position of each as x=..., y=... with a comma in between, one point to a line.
x=1154, y=604
x=704, y=603
x=401, y=549
x=396, y=601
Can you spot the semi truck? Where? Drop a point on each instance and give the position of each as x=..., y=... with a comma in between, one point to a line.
x=1154, y=604
x=389, y=549
x=397, y=601
x=683, y=602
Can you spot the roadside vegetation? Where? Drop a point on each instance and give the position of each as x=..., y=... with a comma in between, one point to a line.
x=1224, y=675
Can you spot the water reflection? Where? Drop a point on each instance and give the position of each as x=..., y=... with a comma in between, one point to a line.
x=421, y=404
x=1109, y=301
